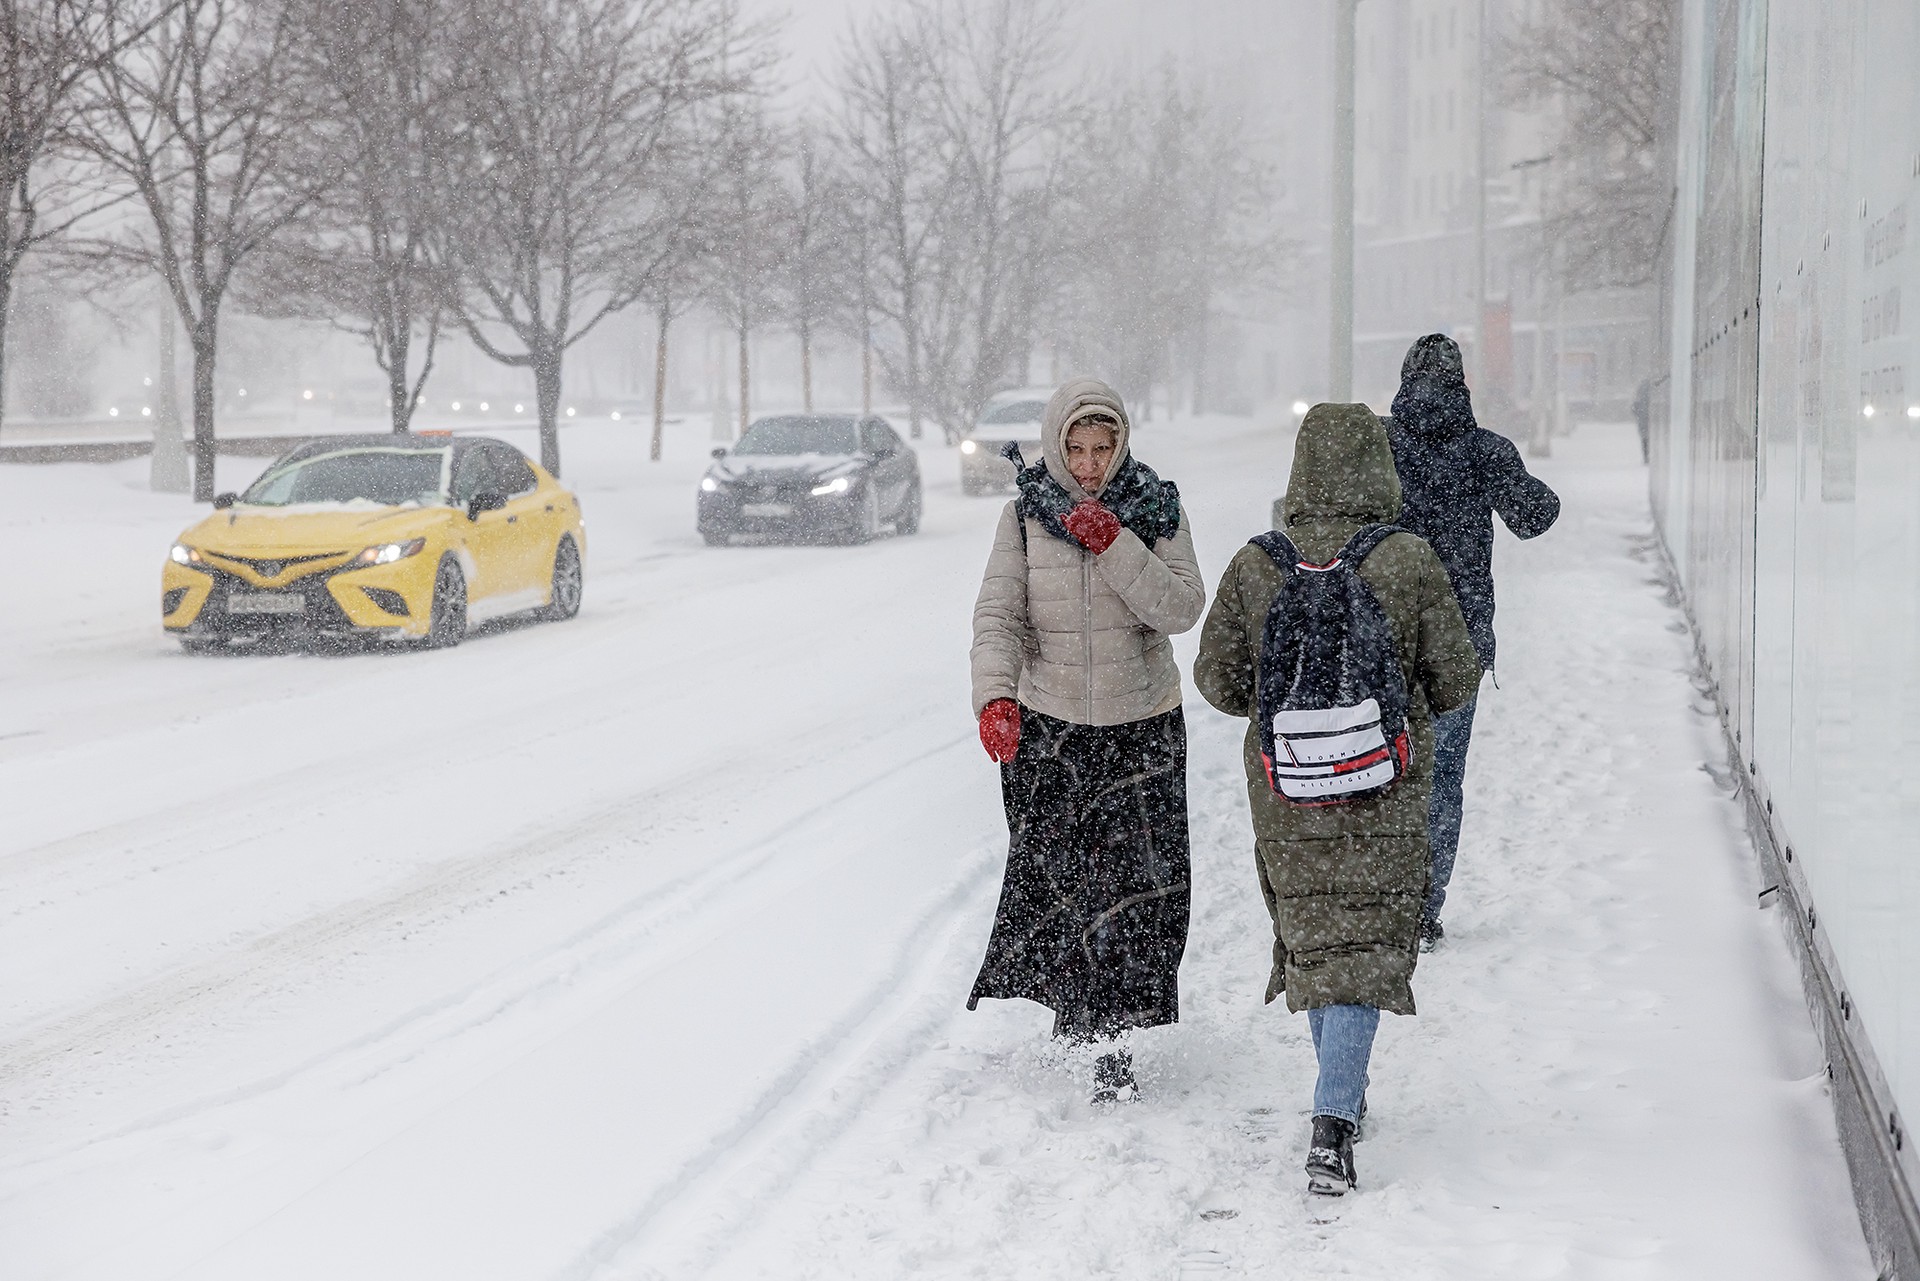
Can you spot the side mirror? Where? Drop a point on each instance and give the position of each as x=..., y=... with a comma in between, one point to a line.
x=487, y=502
x=223, y=501
x=720, y=451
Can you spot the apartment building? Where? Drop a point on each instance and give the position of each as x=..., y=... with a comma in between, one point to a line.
x=1429, y=135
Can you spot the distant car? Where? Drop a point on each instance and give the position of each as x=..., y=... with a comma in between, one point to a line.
x=398, y=537
x=811, y=478
x=1010, y=416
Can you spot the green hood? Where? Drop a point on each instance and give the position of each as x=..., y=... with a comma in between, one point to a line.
x=1342, y=468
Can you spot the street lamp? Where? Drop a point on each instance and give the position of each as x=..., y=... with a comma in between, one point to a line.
x=1340, y=357
x=1540, y=442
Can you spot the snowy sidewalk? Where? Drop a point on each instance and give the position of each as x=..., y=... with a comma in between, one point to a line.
x=625, y=994
x=1611, y=1074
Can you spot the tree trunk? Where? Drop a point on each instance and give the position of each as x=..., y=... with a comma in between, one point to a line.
x=913, y=384
x=866, y=372
x=1201, y=340
x=399, y=391
x=546, y=395
x=806, y=365
x=745, y=388
x=205, y=348
x=6, y=300
x=664, y=318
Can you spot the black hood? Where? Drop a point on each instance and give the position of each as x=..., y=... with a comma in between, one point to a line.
x=1433, y=399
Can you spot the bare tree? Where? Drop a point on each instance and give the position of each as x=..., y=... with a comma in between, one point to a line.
x=48, y=50
x=814, y=268
x=371, y=255
x=671, y=291
x=576, y=116
x=1169, y=211
x=894, y=149
x=951, y=113
x=740, y=271
x=1002, y=105
x=1609, y=66
x=193, y=117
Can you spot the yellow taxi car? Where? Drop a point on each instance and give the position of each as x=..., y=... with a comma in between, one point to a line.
x=401, y=537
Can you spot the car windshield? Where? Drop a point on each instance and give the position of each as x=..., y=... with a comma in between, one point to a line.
x=386, y=477
x=1018, y=411
x=800, y=434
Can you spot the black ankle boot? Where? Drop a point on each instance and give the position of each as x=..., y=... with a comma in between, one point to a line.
x=1330, y=1169
x=1113, y=1077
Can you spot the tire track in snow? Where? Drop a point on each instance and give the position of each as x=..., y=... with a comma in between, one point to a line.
x=281, y=959
x=816, y=1096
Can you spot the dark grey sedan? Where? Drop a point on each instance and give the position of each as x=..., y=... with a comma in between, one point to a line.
x=812, y=478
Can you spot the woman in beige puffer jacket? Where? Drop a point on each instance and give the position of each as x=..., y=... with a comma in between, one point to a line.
x=1078, y=696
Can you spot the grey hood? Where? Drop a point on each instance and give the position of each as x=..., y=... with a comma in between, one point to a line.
x=1077, y=398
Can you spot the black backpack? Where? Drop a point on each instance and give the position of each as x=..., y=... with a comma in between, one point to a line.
x=1333, y=699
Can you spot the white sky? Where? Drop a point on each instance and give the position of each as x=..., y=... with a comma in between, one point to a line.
x=1139, y=31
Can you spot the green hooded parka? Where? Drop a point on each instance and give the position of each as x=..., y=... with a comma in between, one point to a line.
x=1344, y=883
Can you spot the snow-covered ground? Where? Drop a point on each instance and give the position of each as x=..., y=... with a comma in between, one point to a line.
x=636, y=946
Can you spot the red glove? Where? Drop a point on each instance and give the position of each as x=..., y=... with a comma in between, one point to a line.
x=1000, y=729
x=1093, y=525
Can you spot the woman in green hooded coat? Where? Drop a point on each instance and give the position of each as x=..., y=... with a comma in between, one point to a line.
x=1344, y=884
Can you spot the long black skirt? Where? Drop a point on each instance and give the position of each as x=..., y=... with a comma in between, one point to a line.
x=1093, y=912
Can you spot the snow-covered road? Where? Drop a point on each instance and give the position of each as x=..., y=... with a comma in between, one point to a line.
x=636, y=946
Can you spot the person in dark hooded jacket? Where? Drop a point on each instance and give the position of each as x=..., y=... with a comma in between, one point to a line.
x=1454, y=475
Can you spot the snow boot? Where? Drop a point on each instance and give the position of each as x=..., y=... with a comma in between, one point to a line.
x=1431, y=932
x=1113, y=1077
x=1330, y=1169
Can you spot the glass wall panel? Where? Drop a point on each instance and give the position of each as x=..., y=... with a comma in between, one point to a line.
x=1787, y=473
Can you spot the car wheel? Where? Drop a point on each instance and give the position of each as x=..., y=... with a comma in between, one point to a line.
x=568, y=581
x=447, y=622
x=714, y=538
x=866, y=514
x=202, y=645
x=908, y=521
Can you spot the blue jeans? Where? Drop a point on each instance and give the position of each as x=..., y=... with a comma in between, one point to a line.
x=1451, y=732
x=1343, y=1039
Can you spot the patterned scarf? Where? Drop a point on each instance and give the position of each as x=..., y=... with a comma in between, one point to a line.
x=1147, y=505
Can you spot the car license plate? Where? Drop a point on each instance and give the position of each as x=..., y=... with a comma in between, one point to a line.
x=266, y=603
x=766, y=509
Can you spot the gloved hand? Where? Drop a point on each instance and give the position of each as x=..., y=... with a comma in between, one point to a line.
x=1093, y=525
x=1000, y=729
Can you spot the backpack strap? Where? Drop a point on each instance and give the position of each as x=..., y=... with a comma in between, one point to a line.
x=1280, y=547
x=1361, y=545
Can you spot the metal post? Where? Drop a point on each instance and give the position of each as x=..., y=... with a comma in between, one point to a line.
x=1480, y=203
x=1340, y=355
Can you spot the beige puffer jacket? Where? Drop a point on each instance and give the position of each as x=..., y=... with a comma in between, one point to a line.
x=1075, y=636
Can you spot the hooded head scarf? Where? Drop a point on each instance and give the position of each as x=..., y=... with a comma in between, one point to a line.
x=1132, y=491
x=1433, y=399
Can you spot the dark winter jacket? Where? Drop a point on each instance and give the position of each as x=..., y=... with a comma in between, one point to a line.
x=1454, y=474
x=1345, y=884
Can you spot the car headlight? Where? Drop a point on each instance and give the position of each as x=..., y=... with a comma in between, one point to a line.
x=838, y=485
x=184, y=555
x=708, y=484
x=387, y=553
x=969, y=447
